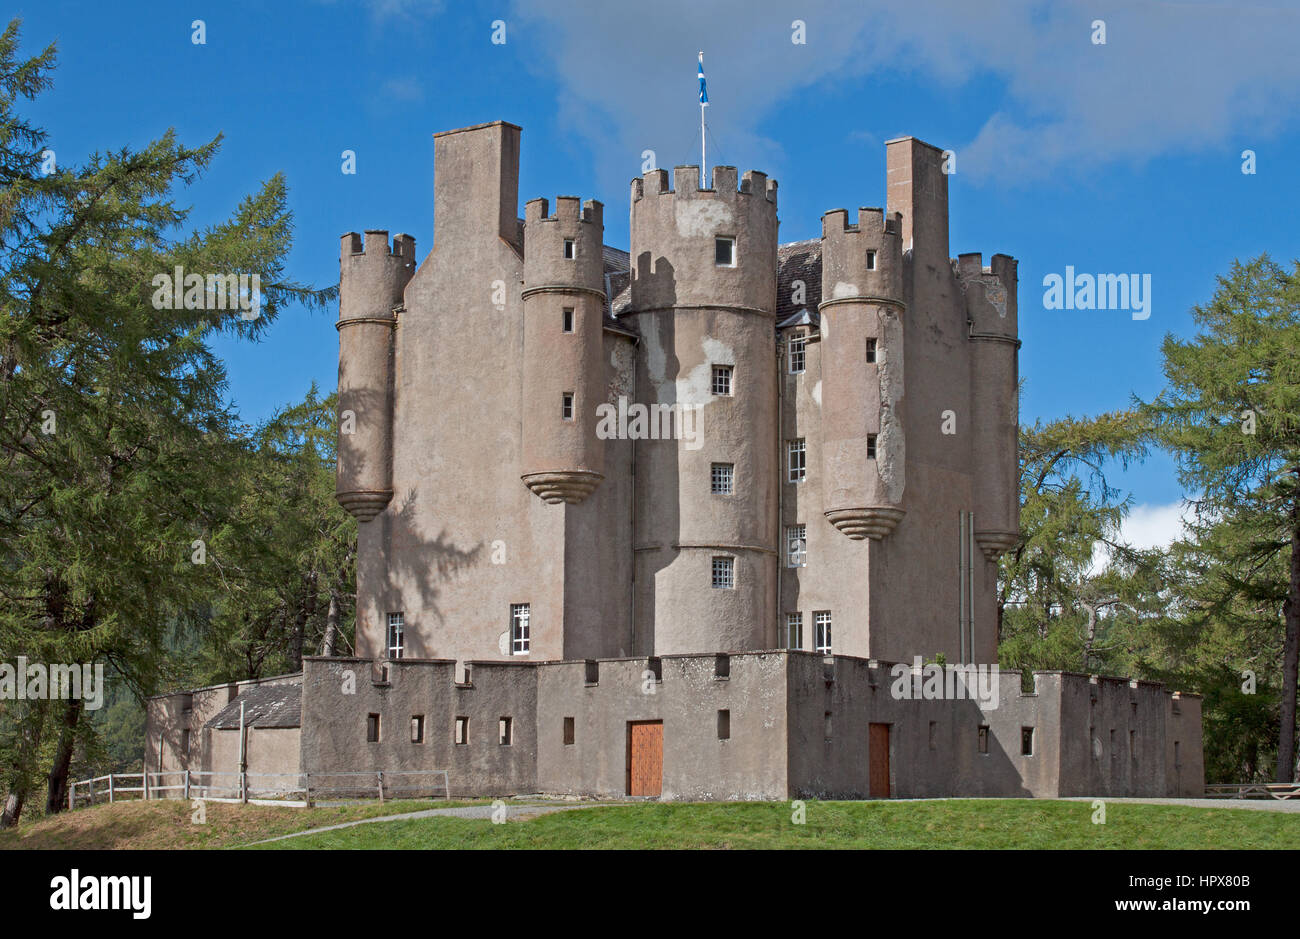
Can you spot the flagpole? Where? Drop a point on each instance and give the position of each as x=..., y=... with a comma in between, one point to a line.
x=703, y=158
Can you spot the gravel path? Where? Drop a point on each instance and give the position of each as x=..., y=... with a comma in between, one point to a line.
x=515, y=812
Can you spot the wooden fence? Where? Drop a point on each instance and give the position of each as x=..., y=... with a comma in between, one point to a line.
x=284, y=789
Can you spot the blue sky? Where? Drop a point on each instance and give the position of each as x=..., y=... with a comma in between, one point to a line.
x=1115, y=158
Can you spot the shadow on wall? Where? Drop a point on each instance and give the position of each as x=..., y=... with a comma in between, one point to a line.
x=657, y=473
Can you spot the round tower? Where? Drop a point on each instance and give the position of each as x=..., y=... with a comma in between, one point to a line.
x=564, y=308
x=372, y=279
x=703, y=294
x=995, y=401
x=863, y=458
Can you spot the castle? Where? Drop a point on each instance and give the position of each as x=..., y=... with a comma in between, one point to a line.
x=655, y=523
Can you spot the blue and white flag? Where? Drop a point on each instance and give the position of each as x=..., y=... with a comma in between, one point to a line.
x=704, y=92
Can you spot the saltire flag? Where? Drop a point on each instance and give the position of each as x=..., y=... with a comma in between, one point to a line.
x=704, y=92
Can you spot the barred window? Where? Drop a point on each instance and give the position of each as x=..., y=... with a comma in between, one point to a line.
x=396, y=635
x=724, y=573
x=794, y=630
x=723, y=477
x=519, y=630
x=871, y=446
x=722, y=379
x=798, y=460
x=798, y=343
x=822, y=620
x=796, y=545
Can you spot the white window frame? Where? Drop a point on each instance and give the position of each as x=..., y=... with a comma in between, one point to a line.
x=798, y=352
x=873, y=349
x=568, y=319
x=570, y=249
x=724, y=573
x=794, y=630
x=797, y=447
x=731, y=240
x=566, y=405
x=725, y=373
x=824, y=635
x=722, y=479
x=796, y=546
x=520, y=628
x=396, y=635
x=871, y=259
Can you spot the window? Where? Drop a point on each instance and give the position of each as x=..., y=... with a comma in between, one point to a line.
x=519, y=631
x=417, y=729
x=871, y=446
x=722, y=665
x=871, y=350
x=722, y=379
x=724, y=252
x=822, y=621
x=462, y=731
x=372, y=728
x=504, y=731
x=871, y=260
x=796, y=545
x=798, y=344
x=723, y=476
x=568, y=319
x=724, y=725
x=1132, y=745
x=724, y=573
x=566, y=405
x=568, y=249
x=984, y=738
x=798, y=460
x=794, y=630
x=828, y=725
x=568, y=731
x=1026, y=741
x=396, y=635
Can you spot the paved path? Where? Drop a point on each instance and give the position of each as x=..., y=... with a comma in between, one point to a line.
x=1259, y=805
x=514, y=812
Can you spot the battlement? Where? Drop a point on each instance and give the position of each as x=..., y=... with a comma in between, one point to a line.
x=686, y=183
x=376, y=242
x=870, y=220
x=990, y=293
x=568, y=209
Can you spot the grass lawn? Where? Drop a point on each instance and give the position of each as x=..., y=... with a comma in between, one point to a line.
x=983, y=823
x=167, y=824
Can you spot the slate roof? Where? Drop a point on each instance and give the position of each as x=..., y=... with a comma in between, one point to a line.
x=264, y=706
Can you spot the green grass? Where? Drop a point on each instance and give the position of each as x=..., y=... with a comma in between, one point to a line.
x=984, y=823
x=169, y=823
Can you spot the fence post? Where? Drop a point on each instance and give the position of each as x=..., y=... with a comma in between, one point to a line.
x=187, y=785
x=72, y=796
x=380, y=774
x=110, y=788
x=144, y=782
x=306, y=788
x=243, y=785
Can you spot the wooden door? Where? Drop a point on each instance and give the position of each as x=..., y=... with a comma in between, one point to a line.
x=878, y=761
x=645, y=758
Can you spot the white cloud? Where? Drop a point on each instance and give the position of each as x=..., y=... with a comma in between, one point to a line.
x=1146, y=526
x=1171, y=77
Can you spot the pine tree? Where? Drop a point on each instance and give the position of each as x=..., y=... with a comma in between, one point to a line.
x=116, y=440
x=1231, y=416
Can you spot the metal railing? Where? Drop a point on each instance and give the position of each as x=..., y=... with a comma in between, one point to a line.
x=284, y=789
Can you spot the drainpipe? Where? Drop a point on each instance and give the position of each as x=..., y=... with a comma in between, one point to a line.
x=243, y=758
x=780, y=488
